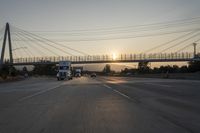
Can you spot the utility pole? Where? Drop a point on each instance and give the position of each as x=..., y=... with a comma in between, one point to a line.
x=6, y=34
x=195, y=51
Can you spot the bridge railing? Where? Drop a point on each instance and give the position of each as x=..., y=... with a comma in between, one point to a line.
x=93, y=58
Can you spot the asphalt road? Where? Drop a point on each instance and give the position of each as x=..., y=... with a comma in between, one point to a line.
x=100, y=105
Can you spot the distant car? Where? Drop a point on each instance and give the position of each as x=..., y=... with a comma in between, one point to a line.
x=93, y=75
x=26, y=75
x=77, y=75
x=128, y=74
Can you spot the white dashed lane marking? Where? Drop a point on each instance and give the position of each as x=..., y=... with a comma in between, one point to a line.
x=158, y=85
x=122, y=94
x=38, y=93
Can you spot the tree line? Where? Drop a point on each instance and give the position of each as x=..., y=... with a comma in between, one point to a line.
x=143, y=68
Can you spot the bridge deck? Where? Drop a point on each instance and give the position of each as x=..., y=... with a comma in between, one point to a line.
x=167, y=57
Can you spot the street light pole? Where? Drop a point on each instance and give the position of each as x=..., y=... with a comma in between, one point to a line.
x=195, y=49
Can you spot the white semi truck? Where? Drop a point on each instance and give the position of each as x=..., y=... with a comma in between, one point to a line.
x=77, y=73
x=64, y=70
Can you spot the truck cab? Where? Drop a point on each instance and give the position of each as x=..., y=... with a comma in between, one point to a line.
x=64, y=70
x=77, y=72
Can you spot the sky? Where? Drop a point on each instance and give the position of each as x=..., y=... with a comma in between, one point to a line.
x=70, y=21
x=87, y=14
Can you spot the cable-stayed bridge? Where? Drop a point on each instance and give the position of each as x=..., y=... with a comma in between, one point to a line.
x=40, y=50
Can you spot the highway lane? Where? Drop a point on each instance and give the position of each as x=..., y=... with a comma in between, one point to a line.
x=175, y=100
x=13, y=91
x=100, y=105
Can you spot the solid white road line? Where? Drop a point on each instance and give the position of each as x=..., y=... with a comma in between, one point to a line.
x=38, y=93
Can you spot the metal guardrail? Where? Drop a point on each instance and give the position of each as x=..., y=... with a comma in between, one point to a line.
x=105, y=58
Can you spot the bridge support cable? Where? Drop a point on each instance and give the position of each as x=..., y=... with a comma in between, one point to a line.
x=15, y=55
x=60, y=45
x=189, y=45
x=24, y=47
x=129, y=30
x=140, y=27
x=177, y=44
x=23, y=50
x=130, y=36
x=1, y=33
x=47, y=40
x=148, y=27
x=43, y=42
x=166, y=43
x=15, y=47
x=29, y=45
x=39, y=48
x=174, y=22
x=27, y=50
x=2, y=30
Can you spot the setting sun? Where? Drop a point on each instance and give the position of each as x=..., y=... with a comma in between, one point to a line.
x=114, y=56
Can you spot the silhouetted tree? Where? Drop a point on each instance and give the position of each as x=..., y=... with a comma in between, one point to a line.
x=12, y=71
x=183, y=69
x=107, y=69
x=194, y=66
x=175, y=69
x=126, y=70
x=7, y=70
x=45, y=69
x=4, y=71
x=143, y=67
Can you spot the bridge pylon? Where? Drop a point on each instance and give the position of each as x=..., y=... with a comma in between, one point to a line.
x=6, y=35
